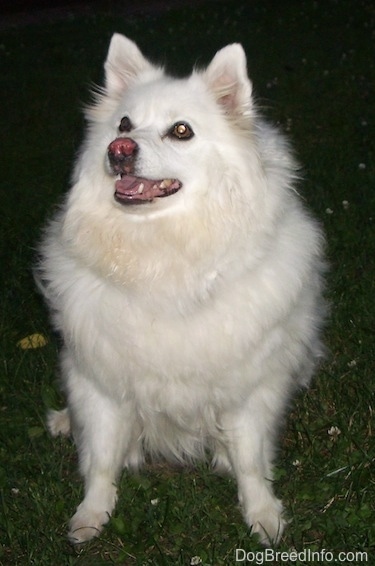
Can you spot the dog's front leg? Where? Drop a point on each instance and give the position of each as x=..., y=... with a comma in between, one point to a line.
x=249, y=441
x=102, y=430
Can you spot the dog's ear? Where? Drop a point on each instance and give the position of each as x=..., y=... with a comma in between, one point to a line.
x=227, y=77
x=124, y=62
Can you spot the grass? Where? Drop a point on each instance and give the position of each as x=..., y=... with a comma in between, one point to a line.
x=313, y=69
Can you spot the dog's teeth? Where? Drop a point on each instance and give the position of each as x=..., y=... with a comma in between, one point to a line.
x=140, y=188
x=118, y=177
x=166, y=183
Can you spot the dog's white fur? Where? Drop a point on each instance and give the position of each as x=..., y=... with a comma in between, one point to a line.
x=187, y=322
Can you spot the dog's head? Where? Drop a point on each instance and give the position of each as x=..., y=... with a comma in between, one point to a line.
x=164, y=140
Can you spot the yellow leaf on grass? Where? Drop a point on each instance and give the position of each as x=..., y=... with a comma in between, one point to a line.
x=32, y=341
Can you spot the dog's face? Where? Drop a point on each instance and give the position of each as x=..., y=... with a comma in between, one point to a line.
x=162, y=138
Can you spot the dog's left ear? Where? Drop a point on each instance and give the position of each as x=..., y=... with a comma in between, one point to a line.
x=227, y=77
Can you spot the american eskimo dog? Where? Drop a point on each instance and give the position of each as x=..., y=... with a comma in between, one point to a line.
x=186, y=280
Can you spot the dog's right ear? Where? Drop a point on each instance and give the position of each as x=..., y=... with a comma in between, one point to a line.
x=124, y=62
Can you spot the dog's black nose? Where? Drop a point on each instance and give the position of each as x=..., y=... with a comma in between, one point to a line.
x=121, y=155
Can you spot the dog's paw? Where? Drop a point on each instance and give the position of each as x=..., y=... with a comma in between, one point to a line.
x=86, y=524
x=58, y=422
x=268, y=523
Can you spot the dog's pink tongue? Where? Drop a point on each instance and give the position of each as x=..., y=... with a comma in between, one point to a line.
x=130, y=188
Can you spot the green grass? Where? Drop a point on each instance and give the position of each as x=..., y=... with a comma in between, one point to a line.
x=313, y=68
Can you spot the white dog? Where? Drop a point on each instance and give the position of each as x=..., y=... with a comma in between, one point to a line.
x=185, y=278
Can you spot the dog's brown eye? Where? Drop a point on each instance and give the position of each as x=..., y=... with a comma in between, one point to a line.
x=181, y=131
x=125, y=124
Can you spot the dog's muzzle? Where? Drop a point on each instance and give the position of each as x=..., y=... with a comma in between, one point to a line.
x=131, y=189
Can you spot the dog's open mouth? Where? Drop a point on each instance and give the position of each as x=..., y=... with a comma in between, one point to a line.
x=138, y=190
